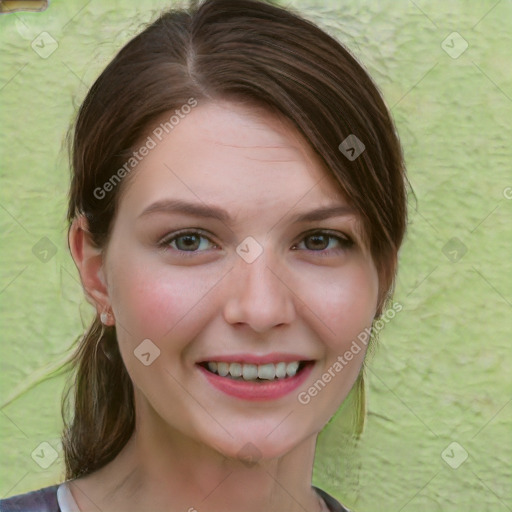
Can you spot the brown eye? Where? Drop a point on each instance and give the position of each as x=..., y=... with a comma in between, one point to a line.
x=321, y=240
x=190, y=241
x=317, y=242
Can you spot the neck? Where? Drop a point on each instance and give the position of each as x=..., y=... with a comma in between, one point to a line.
x=173, y=472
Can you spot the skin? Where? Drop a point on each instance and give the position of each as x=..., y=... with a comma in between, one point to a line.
x=301, y=295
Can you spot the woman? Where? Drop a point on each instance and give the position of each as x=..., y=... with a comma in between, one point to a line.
x=238, y=200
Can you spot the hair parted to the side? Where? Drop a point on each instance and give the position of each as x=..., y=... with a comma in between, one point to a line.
x=249, y=51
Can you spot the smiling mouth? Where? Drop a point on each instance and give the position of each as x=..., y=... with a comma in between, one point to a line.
x=262, y=373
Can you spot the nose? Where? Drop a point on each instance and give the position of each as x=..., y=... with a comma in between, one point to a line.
x=259, y=296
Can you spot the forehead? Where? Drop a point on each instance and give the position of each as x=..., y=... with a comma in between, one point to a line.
x=243, y=159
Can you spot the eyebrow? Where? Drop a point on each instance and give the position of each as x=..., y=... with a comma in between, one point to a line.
x=171, y=206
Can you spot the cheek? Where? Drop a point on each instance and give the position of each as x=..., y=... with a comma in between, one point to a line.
x=152, y=300
x=345, y=303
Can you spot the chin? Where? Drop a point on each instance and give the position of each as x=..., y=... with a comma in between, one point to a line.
x=251, y=448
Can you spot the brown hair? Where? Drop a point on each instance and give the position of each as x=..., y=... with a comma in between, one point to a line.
x=250, y=51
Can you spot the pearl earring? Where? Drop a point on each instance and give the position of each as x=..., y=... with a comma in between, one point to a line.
x=104, y=317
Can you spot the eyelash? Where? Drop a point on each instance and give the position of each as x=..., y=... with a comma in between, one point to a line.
x=344, y=241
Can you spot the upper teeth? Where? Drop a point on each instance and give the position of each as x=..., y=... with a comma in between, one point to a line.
x=267, y=371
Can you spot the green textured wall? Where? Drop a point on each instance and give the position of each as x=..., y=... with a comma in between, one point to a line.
x=442, y=372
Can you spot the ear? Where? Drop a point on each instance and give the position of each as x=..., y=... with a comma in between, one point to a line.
x=90, y=263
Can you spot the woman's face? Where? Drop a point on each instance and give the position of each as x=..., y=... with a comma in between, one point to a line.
x=253, y=286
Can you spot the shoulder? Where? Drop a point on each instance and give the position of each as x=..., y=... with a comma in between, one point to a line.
x=41, y=500
x=332, y=503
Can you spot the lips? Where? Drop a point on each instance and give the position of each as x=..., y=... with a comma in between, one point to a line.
x=256, y=377
x=274, y=357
